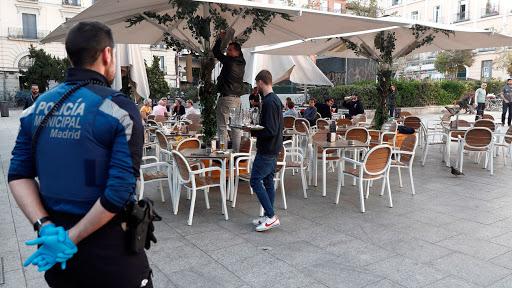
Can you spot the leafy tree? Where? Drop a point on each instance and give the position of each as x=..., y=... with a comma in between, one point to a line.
x=203, y=20
x=451, y=62
x=158, y=87
x=45, y=68
x=504, y=62
x=384, y=56
x=368, y=8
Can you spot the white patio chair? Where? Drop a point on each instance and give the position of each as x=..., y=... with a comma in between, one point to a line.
x=197, y=180
x=374, y=166
x=404, y=158
x=155, y=172
x=477, y=140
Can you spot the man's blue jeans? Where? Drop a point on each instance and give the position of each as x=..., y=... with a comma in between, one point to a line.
x=262, y=181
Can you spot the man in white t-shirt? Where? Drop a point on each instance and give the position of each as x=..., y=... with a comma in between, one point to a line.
x=189, y=108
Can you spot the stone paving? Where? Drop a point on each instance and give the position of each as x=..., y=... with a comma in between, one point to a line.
x=455, y=232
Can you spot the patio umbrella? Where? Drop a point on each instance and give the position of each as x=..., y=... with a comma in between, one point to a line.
x=297, y=69
x=332, y=46
x=305, y=23
x=129, y=55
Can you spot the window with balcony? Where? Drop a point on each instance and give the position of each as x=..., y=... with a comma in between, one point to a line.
x=415, y=15
x=29, y=26
x=463, y=14
x=337, y=8
x=486, y=69
x=71, y=2
x=492, y=8
x=437, y=14
x=324, y=5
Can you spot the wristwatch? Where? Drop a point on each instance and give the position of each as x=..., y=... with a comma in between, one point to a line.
x=39, y=222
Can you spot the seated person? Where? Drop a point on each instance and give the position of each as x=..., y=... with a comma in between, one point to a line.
x=354, y=106
x=254, y=98
x=310, y=112
x=190, y=108
x=290, y=110
x=146, y=109
x=178, y=109
x=325, y=108
x=160, y=109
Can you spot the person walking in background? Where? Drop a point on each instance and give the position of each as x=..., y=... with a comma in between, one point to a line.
x=146, y=109
x=269, y=142
x=310, y=112
x=34, y=93
x=354, y=106
x=480, y=96
x=87, y=171
x=290, y=110
x=506, y=95
x=391, y=101
x=230, y=86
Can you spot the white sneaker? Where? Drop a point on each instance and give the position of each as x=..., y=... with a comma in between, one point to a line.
x=268, y=224
x=258, y=221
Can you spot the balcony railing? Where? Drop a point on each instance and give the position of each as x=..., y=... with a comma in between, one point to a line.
x=490, y=11
x=18, y=33
x=71, y=3
x=461, y=17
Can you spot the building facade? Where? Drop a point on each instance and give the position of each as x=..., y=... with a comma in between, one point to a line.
x=26, y=22
x=493, y=15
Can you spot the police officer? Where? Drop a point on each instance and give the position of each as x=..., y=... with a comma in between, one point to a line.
x=86, y=159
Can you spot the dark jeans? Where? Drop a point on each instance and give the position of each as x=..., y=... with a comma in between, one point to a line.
x=506, y=106
x=391, y=111
x=262, y=181
x=480, y=111
x=102, y=260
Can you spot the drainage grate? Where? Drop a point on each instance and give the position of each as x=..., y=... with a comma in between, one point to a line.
x=2, y=270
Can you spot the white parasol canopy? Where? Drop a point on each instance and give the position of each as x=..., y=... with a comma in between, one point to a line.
x=460, y=39
x=297, y=69
x=305, y=23
x=129, y=55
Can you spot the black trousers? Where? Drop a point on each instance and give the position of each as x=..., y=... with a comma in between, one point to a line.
x=391, y=111
x=102, y=260
x=480, y=111
x=506, y=106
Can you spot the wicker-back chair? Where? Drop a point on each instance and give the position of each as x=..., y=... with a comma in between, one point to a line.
x=477, y=140
x=195, y=180
x=487, y=123
x=374, y=166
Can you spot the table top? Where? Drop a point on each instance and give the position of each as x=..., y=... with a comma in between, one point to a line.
x=201, y=154
x=340, y=144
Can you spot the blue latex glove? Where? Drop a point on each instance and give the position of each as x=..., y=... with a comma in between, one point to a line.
x=55, y=247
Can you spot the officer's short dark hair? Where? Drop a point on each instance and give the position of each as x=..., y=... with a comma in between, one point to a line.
x=509, y=79
x=86, y=40
x=237, y=46
x=265, y=76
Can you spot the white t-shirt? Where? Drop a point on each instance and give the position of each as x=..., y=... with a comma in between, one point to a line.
x=191, y=110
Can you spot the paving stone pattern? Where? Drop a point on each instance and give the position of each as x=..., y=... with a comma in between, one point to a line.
x=456, y=232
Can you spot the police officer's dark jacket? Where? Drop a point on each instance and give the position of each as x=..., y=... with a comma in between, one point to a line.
x=231, y=77
x=91, y=148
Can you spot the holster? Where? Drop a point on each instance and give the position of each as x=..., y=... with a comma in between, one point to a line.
x=139, y=217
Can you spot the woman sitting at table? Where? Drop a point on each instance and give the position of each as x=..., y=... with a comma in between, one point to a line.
x=178, y=110
x=290, y=110
x=160, y=109
x=146, y=109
